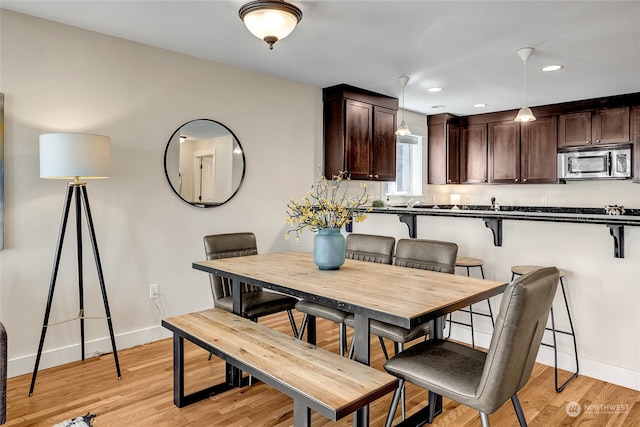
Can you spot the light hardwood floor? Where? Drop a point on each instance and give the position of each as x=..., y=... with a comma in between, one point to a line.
x=144, y=395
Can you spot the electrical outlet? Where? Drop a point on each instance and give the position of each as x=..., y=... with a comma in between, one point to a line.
x=544, y=200
x=154, y=291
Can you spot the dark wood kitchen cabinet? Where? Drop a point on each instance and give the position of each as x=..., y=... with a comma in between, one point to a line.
x=359, y=133
x=523, y=153
x=443, y=151
x=473, y=154
x=605, y=126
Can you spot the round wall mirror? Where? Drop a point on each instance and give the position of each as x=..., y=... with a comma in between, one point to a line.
x=204, y=163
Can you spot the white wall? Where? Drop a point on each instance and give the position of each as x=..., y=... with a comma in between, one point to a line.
x=58, y=78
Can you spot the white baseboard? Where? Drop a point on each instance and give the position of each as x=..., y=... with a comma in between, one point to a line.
x=590, y=368
x=60, y=356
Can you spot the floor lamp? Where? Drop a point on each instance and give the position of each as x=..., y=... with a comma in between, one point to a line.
x=75, y=157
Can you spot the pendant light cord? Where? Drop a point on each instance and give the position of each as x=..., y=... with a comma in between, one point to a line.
x=524, y=85
x=403, y=102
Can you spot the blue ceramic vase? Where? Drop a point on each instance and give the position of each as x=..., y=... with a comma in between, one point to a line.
x=328, y=249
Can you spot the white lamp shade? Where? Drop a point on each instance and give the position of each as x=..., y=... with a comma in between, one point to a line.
x=74, y=155
x=525, y=115
x=264, y=23
x=403, y=129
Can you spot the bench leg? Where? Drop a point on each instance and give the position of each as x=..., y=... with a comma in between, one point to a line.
x=179, y=399
x=301, y=414
x=233, y=375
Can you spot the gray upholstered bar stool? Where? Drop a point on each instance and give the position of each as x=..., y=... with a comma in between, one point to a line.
x=519, y=270
x=468, y=263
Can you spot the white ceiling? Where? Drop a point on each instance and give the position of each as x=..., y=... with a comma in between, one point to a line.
x=467, y=47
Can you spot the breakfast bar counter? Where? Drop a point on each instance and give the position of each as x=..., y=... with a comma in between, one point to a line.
x=493, y=218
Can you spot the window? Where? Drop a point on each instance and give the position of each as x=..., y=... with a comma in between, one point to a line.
x=408, y=167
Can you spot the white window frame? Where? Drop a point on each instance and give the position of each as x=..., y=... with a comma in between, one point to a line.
x=410, y=146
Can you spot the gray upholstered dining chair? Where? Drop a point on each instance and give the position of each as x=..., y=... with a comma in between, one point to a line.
x=485, y=381
x=433, y=255
x=362, y=247
x=255, y=301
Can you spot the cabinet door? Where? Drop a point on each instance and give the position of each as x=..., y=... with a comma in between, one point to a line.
x=453, y=154
x=574, y=129
x=358, y=139
x=473, y=154
x=538, y=148
x=504, y=152
x=611, y=126
x=443, y=152
x=437, y=152
x=384, y=144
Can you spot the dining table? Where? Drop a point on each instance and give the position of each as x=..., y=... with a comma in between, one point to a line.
x=397, y=295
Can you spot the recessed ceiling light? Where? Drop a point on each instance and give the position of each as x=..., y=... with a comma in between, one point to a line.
x=552, y=67
x=480, y=105
x=435, y=89
x=437, y=106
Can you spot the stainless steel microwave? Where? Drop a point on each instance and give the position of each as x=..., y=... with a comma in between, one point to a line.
x=600, y=164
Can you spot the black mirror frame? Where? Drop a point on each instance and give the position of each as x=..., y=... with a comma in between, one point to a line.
x=166, y=173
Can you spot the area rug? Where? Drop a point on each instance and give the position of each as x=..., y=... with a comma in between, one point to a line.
x=84, y=421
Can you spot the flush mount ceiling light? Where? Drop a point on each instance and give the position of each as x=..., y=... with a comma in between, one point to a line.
x=270, y=20
x=525, y=114
x=435, y=89
x=403, y=129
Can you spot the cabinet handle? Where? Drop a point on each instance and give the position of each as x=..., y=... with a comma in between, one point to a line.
x=370, y=176
x=588, y=142
x=524, y=180
x=517, y=180
x=484, y=180
x=377, y=176
x=598, y=141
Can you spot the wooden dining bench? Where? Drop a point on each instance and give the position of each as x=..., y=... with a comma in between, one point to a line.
x=315, y=378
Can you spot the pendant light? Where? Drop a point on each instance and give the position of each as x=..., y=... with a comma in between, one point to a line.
x=270, y=20
x=403, y=129
x=525, y=114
